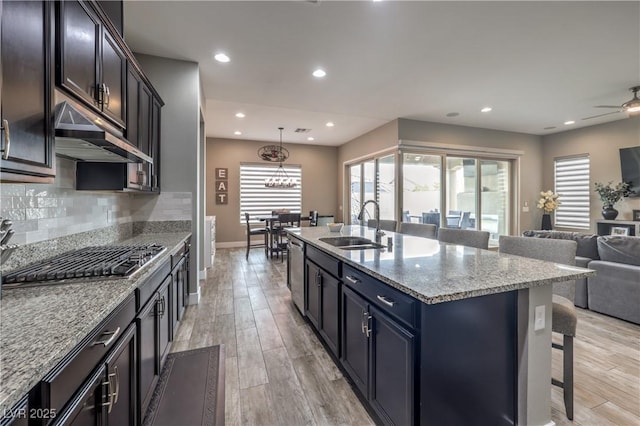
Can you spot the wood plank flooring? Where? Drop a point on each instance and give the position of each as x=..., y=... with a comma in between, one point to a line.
x=278, y=373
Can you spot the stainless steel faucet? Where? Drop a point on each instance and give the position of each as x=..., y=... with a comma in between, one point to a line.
x=379, y=233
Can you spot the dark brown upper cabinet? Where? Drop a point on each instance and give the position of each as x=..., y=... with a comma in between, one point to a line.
x=90, y=64
x=26, y=91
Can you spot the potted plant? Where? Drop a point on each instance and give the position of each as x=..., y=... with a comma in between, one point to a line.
x=610, y=195
x=548, y=202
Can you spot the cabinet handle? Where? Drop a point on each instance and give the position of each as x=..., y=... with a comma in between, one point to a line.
x=116, y=375
x=318, y=279
x=108, y=94
x=110, y=340
x=109, y=395
x=386, y=301
x=352, y=280
x=363, y=326
x=367, y=329
x=160, y=306
x=7, y=139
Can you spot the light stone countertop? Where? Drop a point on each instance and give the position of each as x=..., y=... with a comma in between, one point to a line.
x=39, y=326
x=434, y=272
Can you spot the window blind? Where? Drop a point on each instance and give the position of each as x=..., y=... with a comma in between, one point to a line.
x=573, y=186
x=258, y=200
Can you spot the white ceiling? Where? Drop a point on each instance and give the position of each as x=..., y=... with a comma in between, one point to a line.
x=537, y=64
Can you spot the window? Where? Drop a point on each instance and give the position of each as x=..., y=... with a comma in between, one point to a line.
x=572, y=185
x=372, y=180
x=258, y=200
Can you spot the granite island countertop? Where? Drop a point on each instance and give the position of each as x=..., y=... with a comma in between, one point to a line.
x=40, y=325
x=435, y=272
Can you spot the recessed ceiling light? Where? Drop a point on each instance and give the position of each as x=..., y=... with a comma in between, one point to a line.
x=310, y=138
x=237, y=132
x=569, y=122
x=486, y=109
x=330, y=124
x=240, y=115
x=319, y=73
x=221, y=57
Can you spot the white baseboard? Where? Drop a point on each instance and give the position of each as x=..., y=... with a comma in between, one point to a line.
x=194, y=298
x=231, y=244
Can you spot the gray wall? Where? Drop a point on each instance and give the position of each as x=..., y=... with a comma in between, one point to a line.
x=601, y=143
x=178, y=83
x=319, y=181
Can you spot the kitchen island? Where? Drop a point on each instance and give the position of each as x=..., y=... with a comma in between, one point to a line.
x=434, y=333
x=42, y=327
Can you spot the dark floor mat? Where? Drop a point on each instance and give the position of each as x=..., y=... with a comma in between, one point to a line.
x=190, y=390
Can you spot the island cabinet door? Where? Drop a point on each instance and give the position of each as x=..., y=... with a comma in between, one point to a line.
x=314, y=290
x=392, y=369
x=330, y=311
x=121, y=381
x=355, y=343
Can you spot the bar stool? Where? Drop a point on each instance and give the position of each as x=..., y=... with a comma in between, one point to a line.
x=563, y=317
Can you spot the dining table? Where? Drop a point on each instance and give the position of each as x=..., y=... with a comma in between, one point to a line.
x=269, y=220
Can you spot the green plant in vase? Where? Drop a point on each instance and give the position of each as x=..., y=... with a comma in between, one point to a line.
x=610, y=195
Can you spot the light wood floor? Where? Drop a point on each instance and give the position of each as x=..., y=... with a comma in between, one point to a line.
x=277, y=373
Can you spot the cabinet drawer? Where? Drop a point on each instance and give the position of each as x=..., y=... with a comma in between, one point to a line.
x=60, y=385
x=326, y=262
x=177, y=257
x=146, y=290
x=392, y=301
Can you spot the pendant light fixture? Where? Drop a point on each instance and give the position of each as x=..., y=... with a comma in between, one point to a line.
x=280, y=179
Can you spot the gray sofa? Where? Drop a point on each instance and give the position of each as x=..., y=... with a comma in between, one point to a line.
x=615, y=289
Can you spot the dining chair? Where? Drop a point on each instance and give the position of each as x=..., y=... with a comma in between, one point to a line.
x=464, y=237
x=255, y=231
x=563, y=315
x=432, y=218
x=385, y=224
x=279, y=237
x=425, y=230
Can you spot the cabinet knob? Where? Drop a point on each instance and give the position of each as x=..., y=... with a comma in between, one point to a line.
x=7, y=139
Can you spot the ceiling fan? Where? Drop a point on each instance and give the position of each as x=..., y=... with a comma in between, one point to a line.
x=631, y=107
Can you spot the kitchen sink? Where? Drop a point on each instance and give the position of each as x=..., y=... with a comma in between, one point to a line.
x=351, y=243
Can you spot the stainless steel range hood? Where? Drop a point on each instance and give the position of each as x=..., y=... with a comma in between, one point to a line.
x=81, y=138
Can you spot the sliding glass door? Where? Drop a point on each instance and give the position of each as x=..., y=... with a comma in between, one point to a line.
x=421, y=176
x=463, y=192
x=372, y=180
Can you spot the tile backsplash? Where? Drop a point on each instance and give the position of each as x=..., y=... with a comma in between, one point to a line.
x=44, y=211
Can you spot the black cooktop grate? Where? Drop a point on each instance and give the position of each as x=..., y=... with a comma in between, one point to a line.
x=89, y=262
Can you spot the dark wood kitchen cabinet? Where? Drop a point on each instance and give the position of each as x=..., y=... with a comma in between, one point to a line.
x=154, y=328
x=322, y=304
x=108, y=396
x=379, y=355
x=90, y=64
x=26, y=92
x=133, y=96
x=323, y=296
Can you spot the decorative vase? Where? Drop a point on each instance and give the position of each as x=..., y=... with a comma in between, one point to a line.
x=609, y=213
x=546, y=222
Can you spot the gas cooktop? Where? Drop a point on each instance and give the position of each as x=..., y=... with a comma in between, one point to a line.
x=89, y=262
